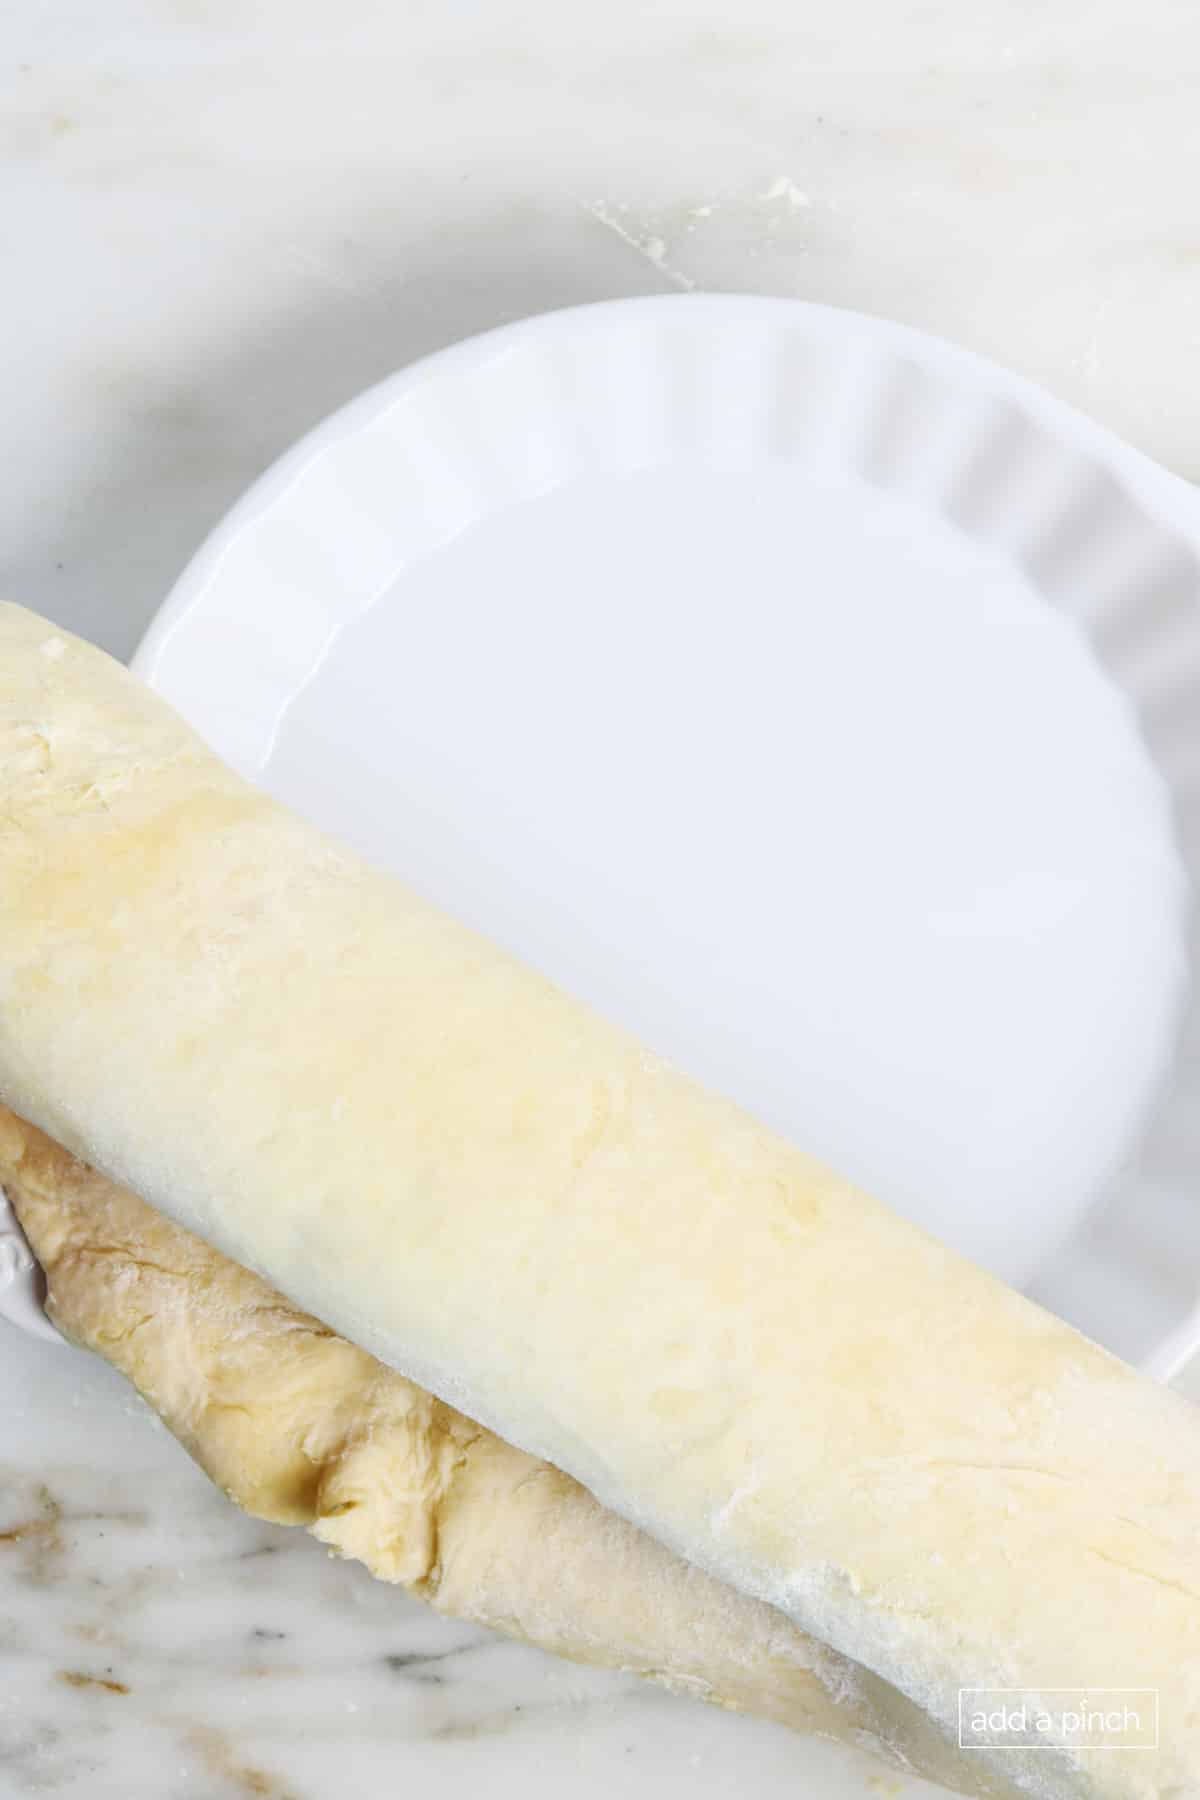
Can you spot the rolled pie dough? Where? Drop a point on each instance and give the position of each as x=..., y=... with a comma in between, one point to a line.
x=491, y=1189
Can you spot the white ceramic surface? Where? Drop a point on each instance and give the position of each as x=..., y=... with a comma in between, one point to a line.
x=776, y=678
x=750, y=667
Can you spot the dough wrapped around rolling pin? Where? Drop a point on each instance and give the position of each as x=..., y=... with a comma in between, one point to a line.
x=485, y=1185
x=302, y=1428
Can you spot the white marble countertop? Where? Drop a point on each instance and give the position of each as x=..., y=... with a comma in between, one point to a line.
x=221, y=219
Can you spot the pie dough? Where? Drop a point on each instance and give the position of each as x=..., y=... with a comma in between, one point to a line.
x=485, y=1185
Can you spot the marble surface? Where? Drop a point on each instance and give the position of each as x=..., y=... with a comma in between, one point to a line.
x=155, y=1642
x=222, y=218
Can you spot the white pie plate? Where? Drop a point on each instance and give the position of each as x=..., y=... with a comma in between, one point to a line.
x=739, y=662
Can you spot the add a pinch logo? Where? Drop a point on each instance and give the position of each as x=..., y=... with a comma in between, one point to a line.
x=1058, y=1718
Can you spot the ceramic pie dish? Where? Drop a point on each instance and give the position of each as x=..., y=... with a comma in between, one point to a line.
x=818, y=699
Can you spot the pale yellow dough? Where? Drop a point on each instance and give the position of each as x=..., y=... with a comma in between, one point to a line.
x=482, y=1183
x=299, y=1427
